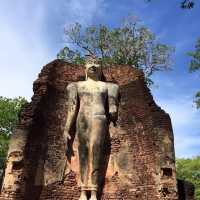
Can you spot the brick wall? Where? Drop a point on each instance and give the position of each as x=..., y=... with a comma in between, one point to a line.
x=138, y=161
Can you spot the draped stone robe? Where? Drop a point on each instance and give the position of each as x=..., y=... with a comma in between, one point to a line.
x=91, y=105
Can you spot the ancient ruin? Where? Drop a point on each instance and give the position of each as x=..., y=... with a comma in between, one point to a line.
x=138, y=161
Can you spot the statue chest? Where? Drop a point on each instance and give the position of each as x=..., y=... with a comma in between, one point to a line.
x=92, y=92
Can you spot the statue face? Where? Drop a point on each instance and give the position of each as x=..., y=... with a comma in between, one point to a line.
x=93, y=71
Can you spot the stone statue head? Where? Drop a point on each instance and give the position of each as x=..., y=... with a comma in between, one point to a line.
x=93, y=69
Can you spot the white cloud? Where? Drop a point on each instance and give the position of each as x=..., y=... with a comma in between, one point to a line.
x=85, y=11
x=185, y=122
x=23, y=49
x=24, y=38
x=182, y=111
x=187, y=145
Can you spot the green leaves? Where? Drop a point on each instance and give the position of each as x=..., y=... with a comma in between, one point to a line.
x=131, y=44
x=189, y=170
x=195, y=62
x=185, y=4
x=9, y=111
x=70, y=56
x=197, y=100
x=195, y=66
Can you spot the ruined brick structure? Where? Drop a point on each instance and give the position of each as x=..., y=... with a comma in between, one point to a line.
x=139, y=161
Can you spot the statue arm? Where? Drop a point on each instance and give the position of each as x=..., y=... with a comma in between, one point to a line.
x=113, y=96
x=72, y=109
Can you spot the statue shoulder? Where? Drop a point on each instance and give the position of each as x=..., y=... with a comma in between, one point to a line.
x=71, y=90
x=112, y=86
x=75, y=86
x=72, y=86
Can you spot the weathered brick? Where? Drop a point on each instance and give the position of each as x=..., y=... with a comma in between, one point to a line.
x=139, y=161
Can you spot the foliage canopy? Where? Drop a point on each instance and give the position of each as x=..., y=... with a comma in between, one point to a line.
x=195, y=66
x=185, y=4
x=189, y=170
x=9, y=111
x=131, y=43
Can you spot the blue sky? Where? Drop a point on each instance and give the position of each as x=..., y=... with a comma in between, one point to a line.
x=31, y=34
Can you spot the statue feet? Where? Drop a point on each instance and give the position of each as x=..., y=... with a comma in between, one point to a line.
x=93, y=195
x=83, y=195
x=93, y=198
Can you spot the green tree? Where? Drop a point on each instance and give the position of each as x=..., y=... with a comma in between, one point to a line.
x=195, y=66
x=185, y=4
x=189, y=170
x=131, y=44
x=9, y=111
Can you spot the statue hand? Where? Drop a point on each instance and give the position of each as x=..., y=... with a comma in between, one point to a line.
x=66, y=136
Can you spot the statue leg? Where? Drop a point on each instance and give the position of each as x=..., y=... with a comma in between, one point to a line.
x=83, y=163
x=93, y=195
x=83, y=150
x=83, y=130
x=83, y=195
x=97, y=137
x=83, y=160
